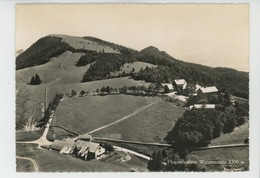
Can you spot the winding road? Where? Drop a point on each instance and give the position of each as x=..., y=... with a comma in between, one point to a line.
x=36, y=168
x=42, y=141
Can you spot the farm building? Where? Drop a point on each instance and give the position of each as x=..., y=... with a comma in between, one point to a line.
x=180, y=83
x=197, y=87
x=207, y=91
x=83, y=149
x=64, y=146
x=85, y=137
x=168, y=87
x=89, y=150
x=204, y=106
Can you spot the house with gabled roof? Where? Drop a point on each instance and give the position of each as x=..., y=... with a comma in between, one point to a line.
x=207, y=90
x=89, y=150
x=64, y=146
x=168, y=87
x=180, y=83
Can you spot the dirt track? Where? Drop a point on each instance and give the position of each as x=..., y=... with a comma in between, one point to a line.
x=62, y=68
x=123, y=118
x=36, y=168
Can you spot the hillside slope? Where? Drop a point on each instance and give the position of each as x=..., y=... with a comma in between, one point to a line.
x=55, y=57
x=110, y=58
x=43, y=50
x=58, y=70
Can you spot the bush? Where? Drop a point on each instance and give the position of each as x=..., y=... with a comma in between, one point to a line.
x=155, y=164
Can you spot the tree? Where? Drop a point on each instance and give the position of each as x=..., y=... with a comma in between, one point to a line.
x=108, y=89
x=82, y=93
x=195, y=128
x=227, y=99
x=217, y=130
x=35, y=80
x=108, y=147
x=155, y=164
x=73, y=93
x=103, y=89
x=32, y=82
x=230, y=124
x=164, y=153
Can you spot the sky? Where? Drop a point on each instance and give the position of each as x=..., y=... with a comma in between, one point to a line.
x=208, y=34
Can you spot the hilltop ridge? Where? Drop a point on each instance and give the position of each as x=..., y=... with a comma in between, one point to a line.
x=107, y=58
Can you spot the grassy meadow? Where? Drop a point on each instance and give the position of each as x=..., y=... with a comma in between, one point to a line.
x=150, y=125
x=237, y=136
x=24, y=165
x=53, y=161
x=84, y=114
x=222, y=154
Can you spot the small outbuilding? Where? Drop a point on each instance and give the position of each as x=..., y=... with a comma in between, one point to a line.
x=85, y=137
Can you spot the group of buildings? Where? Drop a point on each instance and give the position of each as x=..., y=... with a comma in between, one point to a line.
x=180, y=86
x=81, y=147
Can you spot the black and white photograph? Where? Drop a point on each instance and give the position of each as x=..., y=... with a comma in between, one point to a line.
x=132, y=88
x=121, y=88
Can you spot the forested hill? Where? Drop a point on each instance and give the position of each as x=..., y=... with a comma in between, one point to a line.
x=41, y=52
x=225, y=79
x=106, y=58
x=50, y=46
x=169, y=68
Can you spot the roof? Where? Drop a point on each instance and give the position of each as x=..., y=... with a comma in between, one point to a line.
x=85, y=137
x=59, y=144
x=91, y=146
x=206, y=106
x=169, y=85
x=180, y=81
x=66, y=150
x=209, y=89
x=197, y=87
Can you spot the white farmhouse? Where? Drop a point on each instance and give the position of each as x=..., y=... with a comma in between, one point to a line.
x=180, y=83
